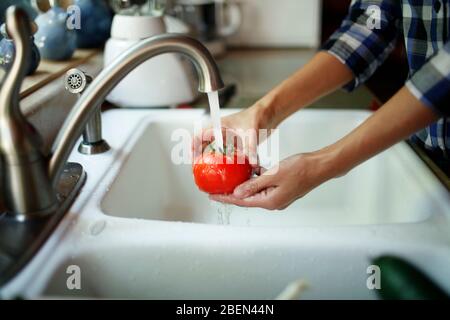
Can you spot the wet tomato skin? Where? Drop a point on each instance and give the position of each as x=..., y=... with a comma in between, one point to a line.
x=216, y=173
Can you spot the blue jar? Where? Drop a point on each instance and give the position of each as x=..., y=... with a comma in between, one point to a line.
x=8, y=50
x=96, y=20
x=53, y=39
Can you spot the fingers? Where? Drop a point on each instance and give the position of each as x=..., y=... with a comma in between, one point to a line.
x=207, y=137
x=253, y=186
x=246, y=141
x=201, y=141
x=258, y=170
x=262, y=192
x=266, y=199
x=241, y=140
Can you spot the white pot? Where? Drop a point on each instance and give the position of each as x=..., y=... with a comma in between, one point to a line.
x=166, y=80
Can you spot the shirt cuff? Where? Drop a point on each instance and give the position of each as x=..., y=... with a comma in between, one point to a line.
x=419, y=95
x=341, y=51
x=431, y=84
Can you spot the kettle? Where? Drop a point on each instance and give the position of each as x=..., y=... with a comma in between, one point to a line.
x=211, y=21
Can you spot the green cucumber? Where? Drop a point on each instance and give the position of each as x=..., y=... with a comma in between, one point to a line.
x=400, y=280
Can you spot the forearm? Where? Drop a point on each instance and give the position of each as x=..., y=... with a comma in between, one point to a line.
x=319, y=77
x=395, y=121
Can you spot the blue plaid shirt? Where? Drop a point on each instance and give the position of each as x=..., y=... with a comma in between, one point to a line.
x=363, y=46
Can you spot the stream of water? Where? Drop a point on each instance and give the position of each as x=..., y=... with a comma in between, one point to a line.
x=214, y=106
x=223, y=210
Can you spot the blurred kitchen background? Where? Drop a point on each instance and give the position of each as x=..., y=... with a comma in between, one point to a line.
x=258, y=42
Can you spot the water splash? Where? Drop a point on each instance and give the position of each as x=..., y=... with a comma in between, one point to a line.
x=224, y=213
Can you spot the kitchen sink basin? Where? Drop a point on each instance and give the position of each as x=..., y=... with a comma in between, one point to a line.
x=381, y=191
x=141, y=229
x=206, y=267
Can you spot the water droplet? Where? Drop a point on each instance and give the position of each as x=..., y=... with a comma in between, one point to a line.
x=97, y=227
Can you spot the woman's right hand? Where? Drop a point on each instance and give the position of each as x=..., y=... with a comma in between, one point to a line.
x=241, y=129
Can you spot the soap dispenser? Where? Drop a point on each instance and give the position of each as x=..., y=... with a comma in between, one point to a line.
x=164, y=81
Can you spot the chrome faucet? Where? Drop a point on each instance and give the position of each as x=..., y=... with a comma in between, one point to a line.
x=30, y=177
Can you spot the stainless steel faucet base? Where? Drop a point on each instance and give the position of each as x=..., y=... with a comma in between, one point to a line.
x=93, y=148
x=21, y=240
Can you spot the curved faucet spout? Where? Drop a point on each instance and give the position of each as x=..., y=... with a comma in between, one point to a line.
x=90, y=101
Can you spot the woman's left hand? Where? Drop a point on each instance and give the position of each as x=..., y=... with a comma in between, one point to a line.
x=280, y=186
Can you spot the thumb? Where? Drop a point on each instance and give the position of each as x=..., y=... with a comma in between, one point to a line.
x=253, y=186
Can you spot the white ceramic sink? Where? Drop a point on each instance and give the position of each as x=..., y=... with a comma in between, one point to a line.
x=141, y=229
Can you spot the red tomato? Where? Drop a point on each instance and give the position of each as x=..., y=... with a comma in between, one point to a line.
x=217, y=173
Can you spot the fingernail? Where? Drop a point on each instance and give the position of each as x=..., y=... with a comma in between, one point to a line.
x=214, y=198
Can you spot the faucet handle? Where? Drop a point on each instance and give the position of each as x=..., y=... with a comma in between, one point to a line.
x=27, y=188
x=18, y=139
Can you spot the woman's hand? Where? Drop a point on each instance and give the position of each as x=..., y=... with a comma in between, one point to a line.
x=240, y=129
x=278, y=187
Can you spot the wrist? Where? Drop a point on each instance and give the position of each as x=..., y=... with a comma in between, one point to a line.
x=331, y=162
x=265, y=112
